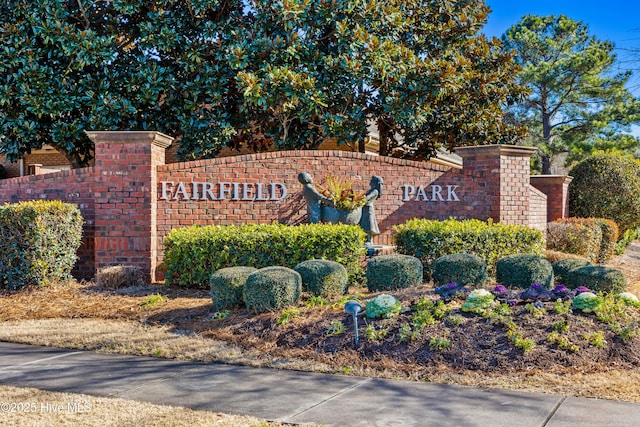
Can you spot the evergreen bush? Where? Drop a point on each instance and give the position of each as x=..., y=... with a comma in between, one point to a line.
x=597, y=278
x=562, y=268
x=610, y=235
x=461, y=269
x=227, y=284
x=39, y=242
x=396, y=271
x=192, y=253
x=323, y=278
x=606, y=186
x=271, y=289
x=428, y=240
x=522, y=270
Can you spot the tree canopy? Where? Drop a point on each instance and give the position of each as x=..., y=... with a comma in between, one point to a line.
x=218, y=73
x=578, y=103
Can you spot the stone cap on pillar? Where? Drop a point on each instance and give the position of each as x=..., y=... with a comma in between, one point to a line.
x=495, y=150
x=551, y=179
x=156, y=138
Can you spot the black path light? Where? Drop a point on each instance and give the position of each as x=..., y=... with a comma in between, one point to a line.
x=354, y=308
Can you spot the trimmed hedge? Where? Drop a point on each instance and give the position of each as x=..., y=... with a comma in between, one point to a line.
x=39, y=242
x=579, y=236
x=192, y=253
x=461, y=269
x=271, y=289
x=227, y=284
x=322, y=277
x=606, y=186
x=562, y=268
x=396, y=271
x=610, y=235
x=521, y=271
x=597, y=278
x=428, y=240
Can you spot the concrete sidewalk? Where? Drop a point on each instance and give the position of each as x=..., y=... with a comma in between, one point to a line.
x=299, y=397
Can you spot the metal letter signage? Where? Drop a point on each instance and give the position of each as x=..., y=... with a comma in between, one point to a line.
x=244, y=191
x=437, y=193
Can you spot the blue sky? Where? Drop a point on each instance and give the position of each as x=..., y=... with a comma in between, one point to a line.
x=617, y=21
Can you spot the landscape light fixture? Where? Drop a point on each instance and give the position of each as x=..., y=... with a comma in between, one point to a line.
x=354, y=308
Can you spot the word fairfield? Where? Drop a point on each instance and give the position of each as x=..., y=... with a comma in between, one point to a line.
x=245, y=191
x=434, y=193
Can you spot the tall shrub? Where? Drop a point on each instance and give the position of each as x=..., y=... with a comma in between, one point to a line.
x=606, y=186
x=39, y=242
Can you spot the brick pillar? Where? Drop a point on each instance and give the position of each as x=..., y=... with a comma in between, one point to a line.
x=126, y=197
x=505, y=172
x=556, y=187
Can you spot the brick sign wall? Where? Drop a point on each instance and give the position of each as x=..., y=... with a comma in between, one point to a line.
x=131, y=199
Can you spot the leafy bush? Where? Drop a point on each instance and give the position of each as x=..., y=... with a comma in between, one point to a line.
x=587, y=302
x=564, y=266
x=522, y=270
x=554, y=256
x=478, y=299
x=597, y=278
x=388, y=272
x=626, y=238
x=323, y=277
x=461, y=269
x=39, y=242
x=428, y=240
x=119, y=276
x=383, y=306
x=606, y=186
x=580, y=236
x=192, y=253
x=271, y=289
x=227, y=284
x=610, y=234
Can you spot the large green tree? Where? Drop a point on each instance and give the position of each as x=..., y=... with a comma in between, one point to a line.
x=222, y=72
x=418, y=70
x=578, y=102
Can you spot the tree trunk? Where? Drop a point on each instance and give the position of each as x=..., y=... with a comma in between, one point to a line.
x=546, y=163
x=383, y=135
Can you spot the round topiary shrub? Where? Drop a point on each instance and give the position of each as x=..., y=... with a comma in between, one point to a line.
x=461, y=269
x=389, y=272
x=562, y=268
x=597, y=278
x=522, y=270
x=322, y=277
x=606, y=186
x=226, y=286
x=271, y=289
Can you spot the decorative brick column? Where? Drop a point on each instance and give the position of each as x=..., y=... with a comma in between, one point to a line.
x=556, y=187
x=126, y=197
x=504, y=172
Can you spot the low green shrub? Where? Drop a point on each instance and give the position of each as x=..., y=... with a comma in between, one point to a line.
x=227, y=284
x=562, y=268
x=610, y=234
x=597, y=278
x=522, y=270
x=271, y=289
x=428, y=240
x=625, y=239
x=39, y=242
x=323, y=278
x=389, y=272
x=579, y=236
x=192, y=253
x=461, y=269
